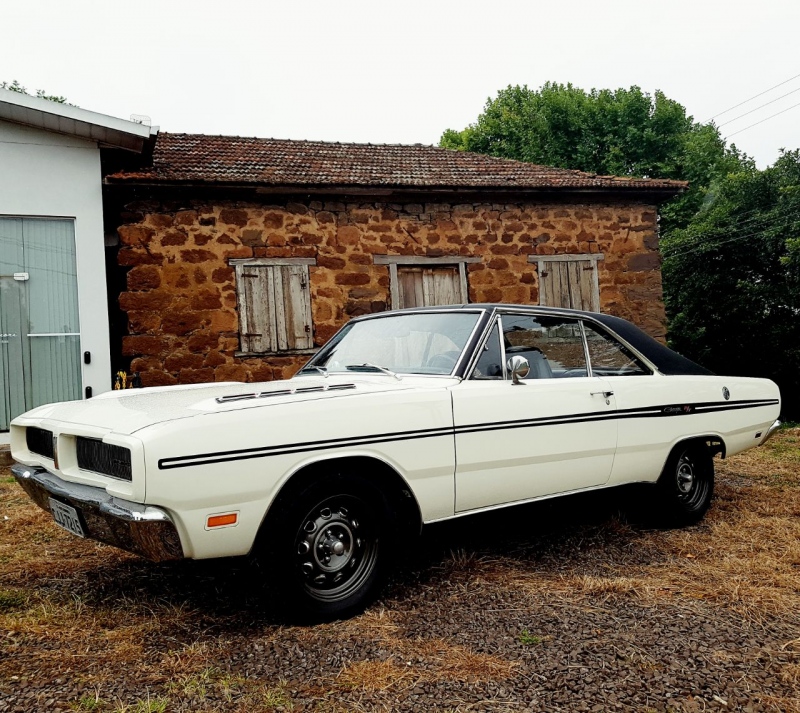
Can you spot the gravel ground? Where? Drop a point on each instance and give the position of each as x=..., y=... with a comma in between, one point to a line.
x=563, y=606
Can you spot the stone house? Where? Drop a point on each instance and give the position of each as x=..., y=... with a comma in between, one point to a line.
x=242, y=256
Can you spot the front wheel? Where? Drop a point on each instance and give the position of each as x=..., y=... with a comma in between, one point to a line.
x=686, y=484
x=331, y=543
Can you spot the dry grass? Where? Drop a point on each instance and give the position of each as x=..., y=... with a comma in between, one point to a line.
x=56, y=617
x=745, y=555
x=416, y=661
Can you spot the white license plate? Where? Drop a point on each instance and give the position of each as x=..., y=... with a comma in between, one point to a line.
x=67, y=517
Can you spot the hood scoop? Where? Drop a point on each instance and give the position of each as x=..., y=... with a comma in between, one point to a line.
x=283, y=392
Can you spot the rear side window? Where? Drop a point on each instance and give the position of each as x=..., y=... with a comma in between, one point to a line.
x=609, y=357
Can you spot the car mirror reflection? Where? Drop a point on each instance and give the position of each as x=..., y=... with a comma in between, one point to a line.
x=519, y=368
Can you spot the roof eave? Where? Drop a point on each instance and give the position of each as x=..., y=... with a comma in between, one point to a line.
x=107, y=131
x=653, y=194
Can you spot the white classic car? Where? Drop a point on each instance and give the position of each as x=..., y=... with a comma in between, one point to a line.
x=401, y=419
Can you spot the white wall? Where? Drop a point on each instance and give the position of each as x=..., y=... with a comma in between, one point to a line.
x=43, y=174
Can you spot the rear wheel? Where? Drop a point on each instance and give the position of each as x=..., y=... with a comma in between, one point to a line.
x=331, y=541
x=686, y=484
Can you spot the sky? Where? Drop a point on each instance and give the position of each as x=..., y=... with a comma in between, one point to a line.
x=401, y=72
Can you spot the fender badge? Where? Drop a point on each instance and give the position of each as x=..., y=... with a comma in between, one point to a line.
x=725, y=393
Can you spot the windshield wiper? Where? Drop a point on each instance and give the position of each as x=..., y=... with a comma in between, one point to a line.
x=366, y=366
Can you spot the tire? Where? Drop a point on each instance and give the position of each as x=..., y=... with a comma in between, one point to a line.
x=331, y=542
x=686, y=485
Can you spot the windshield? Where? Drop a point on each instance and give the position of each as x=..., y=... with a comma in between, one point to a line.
x=421, y=343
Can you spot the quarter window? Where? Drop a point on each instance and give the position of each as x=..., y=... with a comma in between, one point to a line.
x=610, y=358
x=274, y=305
x=490, y=362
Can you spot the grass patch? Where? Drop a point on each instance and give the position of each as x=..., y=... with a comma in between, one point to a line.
x=88, y=704
x=208, y=680
x=529, y=639
x=146, y=705
x=276, y=696
x=11, y=600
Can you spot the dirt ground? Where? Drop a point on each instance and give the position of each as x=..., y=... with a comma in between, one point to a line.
x=571, y=605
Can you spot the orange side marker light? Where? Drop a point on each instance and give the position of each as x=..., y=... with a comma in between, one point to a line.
x=222, y=520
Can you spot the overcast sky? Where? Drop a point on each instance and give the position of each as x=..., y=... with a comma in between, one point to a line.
x=400, y=72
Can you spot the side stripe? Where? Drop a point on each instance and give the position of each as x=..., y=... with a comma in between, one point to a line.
x=247, y=453
x=664, y=411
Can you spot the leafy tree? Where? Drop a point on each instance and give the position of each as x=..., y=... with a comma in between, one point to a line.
x=15, y=86
x=625, y=132
x=732, y=278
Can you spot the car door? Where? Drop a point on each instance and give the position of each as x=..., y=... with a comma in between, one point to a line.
x=552, y=433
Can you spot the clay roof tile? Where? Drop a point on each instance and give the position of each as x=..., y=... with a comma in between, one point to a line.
x=199, y=158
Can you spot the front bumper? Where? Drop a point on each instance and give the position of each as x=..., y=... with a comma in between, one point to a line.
x=142, y=529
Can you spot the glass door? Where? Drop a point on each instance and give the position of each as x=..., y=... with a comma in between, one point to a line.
x=40, y=347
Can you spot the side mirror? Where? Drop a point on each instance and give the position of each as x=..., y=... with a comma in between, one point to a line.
x=519, y=368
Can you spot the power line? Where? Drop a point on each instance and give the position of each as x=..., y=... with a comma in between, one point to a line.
x=782, y=96
x=712, y=244
x=738, y=223
x=794, y=106
x=709, y=245
x=766, y=91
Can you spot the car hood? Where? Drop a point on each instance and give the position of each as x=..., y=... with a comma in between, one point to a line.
x=126, y=412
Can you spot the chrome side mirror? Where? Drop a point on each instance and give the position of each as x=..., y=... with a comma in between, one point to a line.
x=519, y=368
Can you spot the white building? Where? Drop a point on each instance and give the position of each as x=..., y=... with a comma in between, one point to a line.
x=54, y=326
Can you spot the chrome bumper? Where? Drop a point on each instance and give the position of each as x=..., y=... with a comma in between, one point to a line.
x=771, y=432
x=142, y=529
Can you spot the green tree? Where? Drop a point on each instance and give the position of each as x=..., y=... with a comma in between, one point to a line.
x=15, y=86
x=623, y=132
x=732, y=278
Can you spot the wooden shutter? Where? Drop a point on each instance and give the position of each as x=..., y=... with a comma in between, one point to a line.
x=569, y=281
x=430, y=286
x=257, y=332
x=293, y=308
x=274, y=308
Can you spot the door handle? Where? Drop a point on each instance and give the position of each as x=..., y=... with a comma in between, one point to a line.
x=605, y=394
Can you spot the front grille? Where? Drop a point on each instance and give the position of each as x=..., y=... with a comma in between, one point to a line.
x=104, y=458
x=40, y=441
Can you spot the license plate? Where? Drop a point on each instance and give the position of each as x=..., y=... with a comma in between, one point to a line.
x=67, y=517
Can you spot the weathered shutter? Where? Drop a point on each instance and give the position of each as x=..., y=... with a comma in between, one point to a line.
x=409, y=280
x=444, y=286
x=570, y=282
x=428, y=287
x=256, y=308
x=293, y=308
x=274, y=306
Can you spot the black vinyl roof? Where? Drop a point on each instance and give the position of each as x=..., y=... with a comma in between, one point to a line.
x=667, y=361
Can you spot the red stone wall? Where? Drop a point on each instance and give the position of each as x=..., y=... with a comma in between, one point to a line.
x=181, y=298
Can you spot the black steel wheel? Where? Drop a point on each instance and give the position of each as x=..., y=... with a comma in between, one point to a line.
x=686, y=485
x=331, y=543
